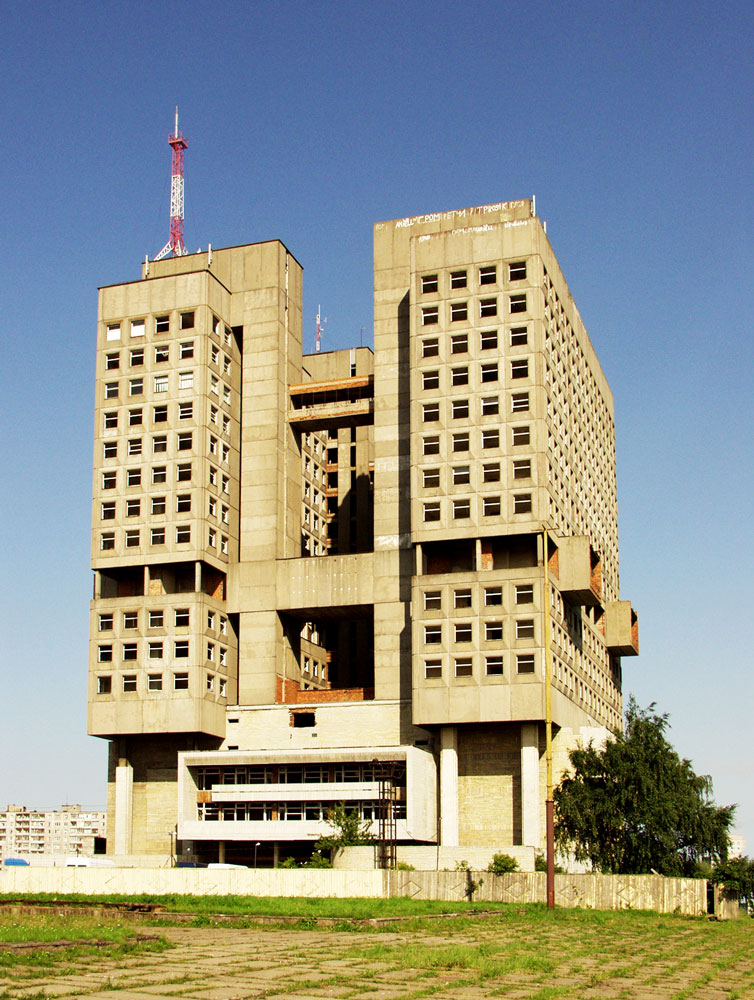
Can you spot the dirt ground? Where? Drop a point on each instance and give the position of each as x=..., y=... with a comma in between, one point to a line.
x=686, y=959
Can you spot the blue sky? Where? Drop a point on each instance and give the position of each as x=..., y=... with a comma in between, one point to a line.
x=309, y=122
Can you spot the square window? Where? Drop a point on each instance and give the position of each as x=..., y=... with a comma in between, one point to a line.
x=490, y=405
x=493, y=631
x=461, y=441
x=130, y=619
x=104, y=654
x=432, y=600
x=182, y=617
x=133, y=508
x=223, y=657
x=181, y=649
x=429, y=283
x=214, y=354
x=159, y=414
x=489, y=372
x=517, y=303
x=110, y=449
x=491, y=438
x=521, y=435
x=133, y=477
x=517, y=270
x=431, y=445
x=488, y=275
x=212, y=535
x=525, y=628
x=491, y=472
x=463, y=632
x=105, y=623
x=112, y=361
x=104, y=684
x=161, y=353
x=223, y=625
x=211, y=651
x=162, y=324
x=160, y=383
x=223, y=545
x=107, y=512
x=186, y=350
x=430, y=412
x=462, y=598
x=113, y=331
x=134, y=446
x=225, y=484
x=183, y=502
x=493, y=597
x=156, y=619
x=459, y=311
x=461, y=509
x=223, y=687
x=137, y=357
x=183, y=534
x=138, y=327
x=129, y=683
x=459, y=343
x=226, y=365
x=210, y=682
x=459, y=376
x=432, y=634
x=159, y=474
x=136, y=387
x=430, y=478
x=525, y=663
x=522, y=503
x=488, y=307
x=109, y=480
x=491, y=506
x=157, y=536
x=159, y=443
x=520, y=368
x=185, y=411
x=522, y=469
x=459, y=409
x=212, y=506
x=457, y=279
x=212, y=476
x=463, y=667
x=519, y=401
x=134, y=418
x=519, y=336
x=432, y=511
x=185, y=440
x=180, y=682
x=430, y=380
x=488, y=340
x=187, y=320
x=493, y=665
x=430, y=315
x=111, y=390
x=461, y=475
x=154, y=682
x=210, y=619
x=430, y=347
x=432, y=669
x=111, y=420
x=129, y=651
x=185, y=380
x=525, y=593
x=107, y=540
x=183, y=472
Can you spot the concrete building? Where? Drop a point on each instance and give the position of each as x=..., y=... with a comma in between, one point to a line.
x=31, y=833
x=321, y=578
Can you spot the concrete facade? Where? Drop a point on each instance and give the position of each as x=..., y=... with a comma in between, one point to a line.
x=321, y=578
x=32, y=833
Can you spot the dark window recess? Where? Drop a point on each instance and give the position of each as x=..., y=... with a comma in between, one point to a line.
x=303, y=720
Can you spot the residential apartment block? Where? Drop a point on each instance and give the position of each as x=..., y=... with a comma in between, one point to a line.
x=30, y=833
x=321, y=578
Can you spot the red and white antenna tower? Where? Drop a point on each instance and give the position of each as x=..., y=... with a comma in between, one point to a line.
x=318, y=337
x=175, y=244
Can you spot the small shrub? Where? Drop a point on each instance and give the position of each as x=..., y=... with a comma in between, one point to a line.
x=540, y=865
x=462, y=866
x=502, y=864
x=404, y=866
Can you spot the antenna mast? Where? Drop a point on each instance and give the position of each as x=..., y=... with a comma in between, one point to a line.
x=318, y=337
x=175, y=244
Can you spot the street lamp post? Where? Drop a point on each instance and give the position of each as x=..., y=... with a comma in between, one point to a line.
x=255, y=853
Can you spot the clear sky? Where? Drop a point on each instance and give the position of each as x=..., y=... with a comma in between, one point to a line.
x=632, y=124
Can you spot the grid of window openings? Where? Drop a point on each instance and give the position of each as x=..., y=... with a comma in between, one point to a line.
x=319, y=460
x=166, y=468
x=474, y=397
x=159, y=650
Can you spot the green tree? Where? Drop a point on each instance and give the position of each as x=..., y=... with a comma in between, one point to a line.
x=349, y=829
x=736, y=876
x=635, y=806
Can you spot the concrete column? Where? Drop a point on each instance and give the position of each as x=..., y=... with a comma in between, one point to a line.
x=531, y=835
x=124, y=786
x=221, y=852
x=275, y=854
x=449, y=786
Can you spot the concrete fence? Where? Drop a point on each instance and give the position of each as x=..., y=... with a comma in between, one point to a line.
x=598, y=892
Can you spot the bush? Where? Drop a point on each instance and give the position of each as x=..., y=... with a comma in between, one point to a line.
x=404, y=866
x=540, y=865
x=736, y=876
x=502, y=864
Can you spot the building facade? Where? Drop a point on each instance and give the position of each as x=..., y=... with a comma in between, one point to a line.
x=321, y=578
x=67, y=831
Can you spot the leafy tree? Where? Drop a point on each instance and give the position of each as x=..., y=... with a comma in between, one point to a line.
x=501, y=864
x=736, y=876
x=349, y=829
x=635, y=806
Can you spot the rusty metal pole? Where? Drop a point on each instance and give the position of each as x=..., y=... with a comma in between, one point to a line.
x=549, y=809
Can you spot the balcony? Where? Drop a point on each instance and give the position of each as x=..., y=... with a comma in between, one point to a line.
x=579, y=571
x=621, y=628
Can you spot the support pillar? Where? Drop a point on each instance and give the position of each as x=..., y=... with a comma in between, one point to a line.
x=124, y=787
x=531, y=834
x=449, y=786
x=221, y=852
